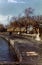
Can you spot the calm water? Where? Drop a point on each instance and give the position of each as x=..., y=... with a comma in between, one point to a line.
x=4, y=51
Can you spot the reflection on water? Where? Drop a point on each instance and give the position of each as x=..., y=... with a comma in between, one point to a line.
x=4, y=51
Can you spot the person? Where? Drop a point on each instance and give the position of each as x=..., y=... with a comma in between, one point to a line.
x=37, y=35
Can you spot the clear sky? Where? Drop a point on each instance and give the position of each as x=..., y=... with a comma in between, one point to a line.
x=15, y=7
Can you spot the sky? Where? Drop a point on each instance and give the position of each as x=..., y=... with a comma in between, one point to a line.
x=9, y=8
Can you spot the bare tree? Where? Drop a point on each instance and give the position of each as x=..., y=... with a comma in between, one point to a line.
x=28, y=11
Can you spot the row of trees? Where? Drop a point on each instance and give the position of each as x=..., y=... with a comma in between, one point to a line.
x=25, y=20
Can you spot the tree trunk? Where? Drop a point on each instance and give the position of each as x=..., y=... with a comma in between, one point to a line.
x=26, y=30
